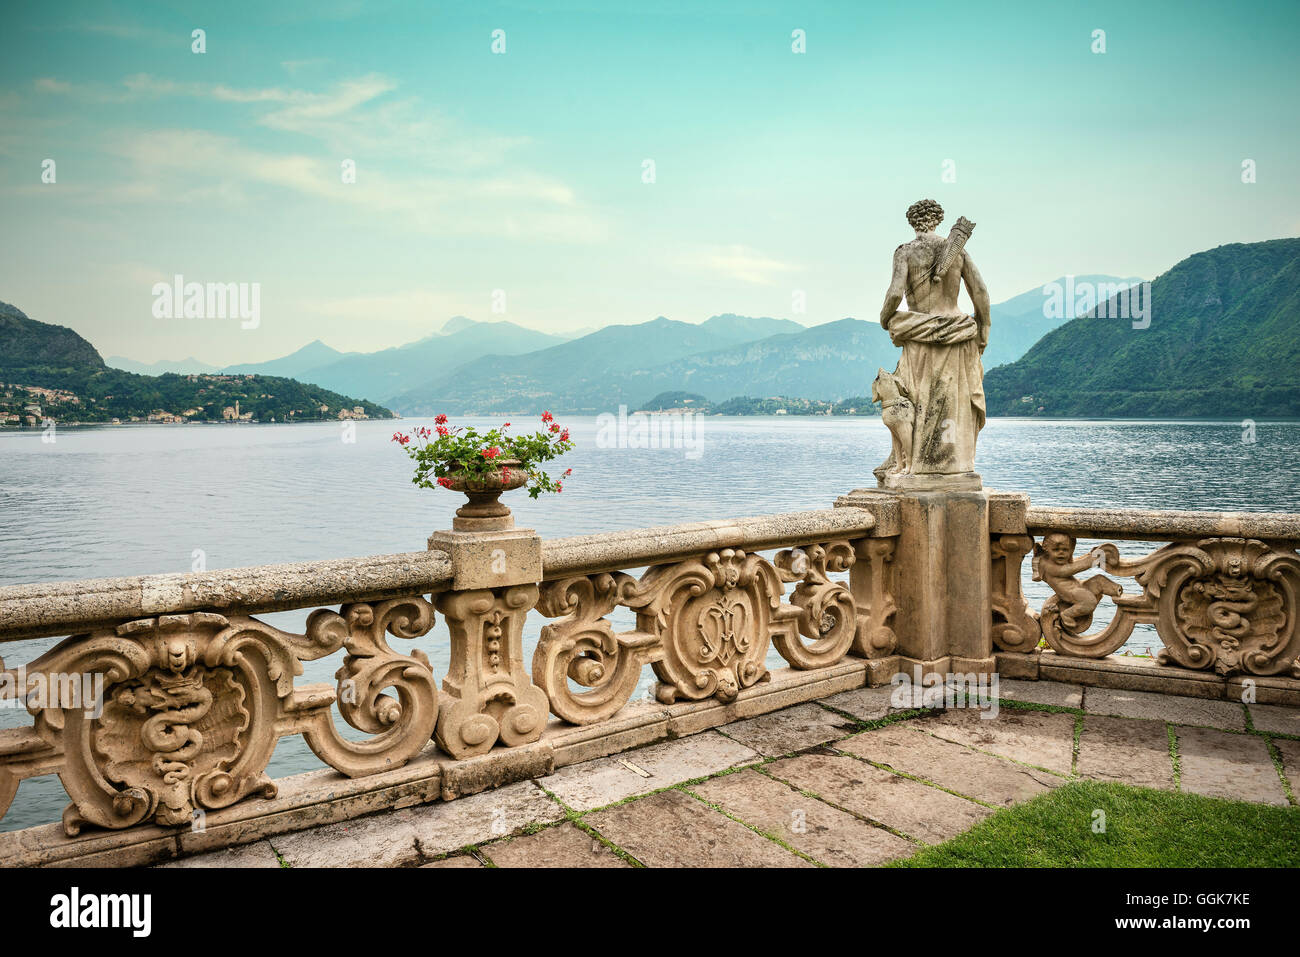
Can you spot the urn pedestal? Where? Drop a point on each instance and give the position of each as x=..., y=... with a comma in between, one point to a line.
x=488, y=696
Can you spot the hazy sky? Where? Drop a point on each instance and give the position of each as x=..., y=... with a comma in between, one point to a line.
x=523, y=171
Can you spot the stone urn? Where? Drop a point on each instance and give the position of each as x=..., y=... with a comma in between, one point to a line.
x=484, y=511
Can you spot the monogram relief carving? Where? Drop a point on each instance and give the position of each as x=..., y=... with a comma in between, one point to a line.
x=713, y=617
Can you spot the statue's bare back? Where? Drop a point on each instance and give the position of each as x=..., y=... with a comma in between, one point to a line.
x=922, y=295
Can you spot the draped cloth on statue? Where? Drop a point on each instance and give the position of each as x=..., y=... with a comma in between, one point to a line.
x=941, y=370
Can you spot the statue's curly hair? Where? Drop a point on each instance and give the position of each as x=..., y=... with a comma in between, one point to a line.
x=924, y=214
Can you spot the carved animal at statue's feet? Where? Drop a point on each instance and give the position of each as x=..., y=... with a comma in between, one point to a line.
x=899, y=415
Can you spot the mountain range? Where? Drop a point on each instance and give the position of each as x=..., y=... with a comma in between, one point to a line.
x=377, y=375
x=1222, y=338
x=600, y=371
x=724, y=357
x=1223, y=320
x=489, y=366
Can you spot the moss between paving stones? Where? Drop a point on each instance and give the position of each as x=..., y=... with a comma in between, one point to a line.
x=1143, y=828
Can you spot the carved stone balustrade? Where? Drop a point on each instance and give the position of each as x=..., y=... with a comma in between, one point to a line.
x=192, y=690
x=162, y=703
x=707, y=609
x=1223, y=594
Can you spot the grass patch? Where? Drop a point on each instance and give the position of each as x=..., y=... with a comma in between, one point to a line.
x=1143, y=828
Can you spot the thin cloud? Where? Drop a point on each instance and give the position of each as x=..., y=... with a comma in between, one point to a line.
x=744, y=264
x=125, y=31
x=512, y=205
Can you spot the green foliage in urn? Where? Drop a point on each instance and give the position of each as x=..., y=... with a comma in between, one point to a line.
x=465, y=459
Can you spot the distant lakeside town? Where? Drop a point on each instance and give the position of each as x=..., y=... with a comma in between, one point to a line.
x=33, y=406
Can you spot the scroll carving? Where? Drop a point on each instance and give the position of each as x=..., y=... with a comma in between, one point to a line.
x=1015, y=625
x=827, y=615
x=583, y=648
x=401, y=726
x=193, y=705
x=1226, y=604
x=1230, y=604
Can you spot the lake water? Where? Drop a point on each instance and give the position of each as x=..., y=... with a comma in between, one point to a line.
x=100, y=502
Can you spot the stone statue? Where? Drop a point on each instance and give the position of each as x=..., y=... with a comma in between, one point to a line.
x=1054, y=563
x=940, y=372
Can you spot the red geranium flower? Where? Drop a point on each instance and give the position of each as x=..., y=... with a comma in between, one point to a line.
x=564, y=436
x=440, y=419
x=444, y=482
x=491, y=453
x=547, y=417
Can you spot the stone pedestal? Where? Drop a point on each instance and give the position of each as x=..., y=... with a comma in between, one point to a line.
x=487, y=695
x=939, y=576
x=491, y=559
x=942, y=567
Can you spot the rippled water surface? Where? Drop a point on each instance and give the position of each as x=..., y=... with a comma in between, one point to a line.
x=101, y=502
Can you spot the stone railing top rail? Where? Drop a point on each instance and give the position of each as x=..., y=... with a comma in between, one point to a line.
x=33, y=611
x=634, y=548
x=1157, y=524
x=57, y=608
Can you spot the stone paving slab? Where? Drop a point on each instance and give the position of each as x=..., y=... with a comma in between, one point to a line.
x=866, y=704
x=258, y=854
x=604, y=781
x=1163, y=707
x=1056, y=693
x=398, y=838
x=1044, y=739
x=1223, y=765
x=957, y=750
x=384, y=840
x=1275, y=719
x=447, y=825
x=460, y=860
x=1129, y=750
x=1290, y=752
x=956, y=767
x=562, y=846
x=917, y=810
x=792, y=729
x=672, y=829
x=824, y=833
